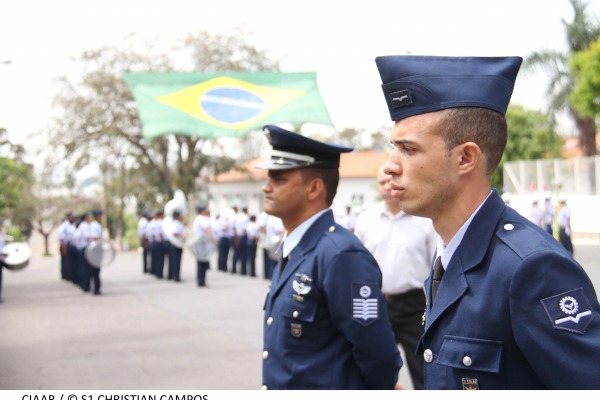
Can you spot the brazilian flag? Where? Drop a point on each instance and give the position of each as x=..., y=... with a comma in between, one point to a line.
x=224, y=104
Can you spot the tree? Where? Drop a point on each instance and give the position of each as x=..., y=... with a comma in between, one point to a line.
x=585, y=66
x=580, y=34
x=531, y=136
x=359, y=139
x=16, y=181
x=98, y=121
x=50, y=211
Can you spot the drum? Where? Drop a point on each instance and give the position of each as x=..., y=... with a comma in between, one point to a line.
x=202, y=247
x=17, y=255
x=100, y=253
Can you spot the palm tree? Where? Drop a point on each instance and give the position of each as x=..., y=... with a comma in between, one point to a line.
x=580, y=34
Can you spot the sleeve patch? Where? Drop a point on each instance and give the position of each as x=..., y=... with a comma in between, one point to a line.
x=365, y=304
x=569, y=311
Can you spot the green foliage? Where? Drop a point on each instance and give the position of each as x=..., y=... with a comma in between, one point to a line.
x=580, y=33
x=15, y=233
x=16, y=181
x=585, y=65
x=130, y=236
x=531, y=136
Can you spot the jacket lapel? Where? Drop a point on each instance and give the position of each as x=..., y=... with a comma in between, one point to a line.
x=468, y=255
x=307, y=243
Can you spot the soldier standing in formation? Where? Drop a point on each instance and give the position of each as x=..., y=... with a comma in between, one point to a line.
x=142, y=229
x=96, y=235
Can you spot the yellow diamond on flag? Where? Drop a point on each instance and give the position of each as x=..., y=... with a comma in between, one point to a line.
x=228, y=102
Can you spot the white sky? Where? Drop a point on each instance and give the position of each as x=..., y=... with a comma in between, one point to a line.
x=337, y=38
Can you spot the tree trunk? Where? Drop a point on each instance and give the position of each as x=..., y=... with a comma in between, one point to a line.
x=587, y=135
x=46, y=244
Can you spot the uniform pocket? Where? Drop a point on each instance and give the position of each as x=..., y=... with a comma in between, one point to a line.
x=471, y=354
x=304, y=311
x=300, y=326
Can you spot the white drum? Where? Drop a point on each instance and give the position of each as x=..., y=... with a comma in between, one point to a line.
x=202, y=247
x=17, y=255
x=100, y=253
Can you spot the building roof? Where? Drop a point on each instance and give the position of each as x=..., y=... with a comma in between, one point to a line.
x=352, y=165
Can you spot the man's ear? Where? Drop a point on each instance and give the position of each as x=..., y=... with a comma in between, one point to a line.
x=470, y=157
x=314, y=189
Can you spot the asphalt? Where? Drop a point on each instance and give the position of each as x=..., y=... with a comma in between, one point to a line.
x=142, y=333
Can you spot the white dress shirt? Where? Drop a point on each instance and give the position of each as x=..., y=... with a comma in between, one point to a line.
x=402, y=244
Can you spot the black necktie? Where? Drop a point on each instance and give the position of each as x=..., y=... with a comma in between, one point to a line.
x=436, y=279
x=283, y=262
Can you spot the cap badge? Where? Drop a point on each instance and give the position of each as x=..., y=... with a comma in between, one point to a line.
x=364, y=303
x=401, y=98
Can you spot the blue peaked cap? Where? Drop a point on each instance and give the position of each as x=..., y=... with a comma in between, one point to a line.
x=414, y=85
x=292, y=150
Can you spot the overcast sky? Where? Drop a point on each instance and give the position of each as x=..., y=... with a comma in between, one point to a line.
x=338, y=39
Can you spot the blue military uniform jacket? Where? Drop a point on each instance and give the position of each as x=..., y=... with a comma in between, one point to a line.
x=513, y=311
x=326, y=326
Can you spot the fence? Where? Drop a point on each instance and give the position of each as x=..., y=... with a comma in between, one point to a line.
x=579, y=178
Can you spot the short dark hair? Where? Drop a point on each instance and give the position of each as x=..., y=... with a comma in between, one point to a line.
x=486, y=128
x=330, y=178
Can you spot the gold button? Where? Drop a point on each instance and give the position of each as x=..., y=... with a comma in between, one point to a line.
x=467, y=362
x=509, y=227
x=265, y=355
x=331, y=228
x=295, y=314
x=269, y=321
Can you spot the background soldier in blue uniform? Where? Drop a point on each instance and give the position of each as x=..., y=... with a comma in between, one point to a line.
x=513, y=309
x=326, y=325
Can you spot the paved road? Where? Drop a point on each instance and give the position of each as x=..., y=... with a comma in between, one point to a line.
x=142, y=333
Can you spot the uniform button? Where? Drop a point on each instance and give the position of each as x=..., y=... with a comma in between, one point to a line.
x=509, y=227
x=295, y=314
x=331, y=228
x=265, y=355
x=467, y=361
x=264, y=387
x=269, y=321
x=428, y=356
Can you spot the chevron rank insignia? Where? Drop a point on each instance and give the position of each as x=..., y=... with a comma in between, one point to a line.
x=569, y=311
x=365, y=309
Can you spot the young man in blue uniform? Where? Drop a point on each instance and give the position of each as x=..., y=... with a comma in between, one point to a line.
x=508, y=307
x=326, y=325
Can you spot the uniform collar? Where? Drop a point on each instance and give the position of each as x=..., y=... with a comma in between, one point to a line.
x=291, y=241
x=447, y=252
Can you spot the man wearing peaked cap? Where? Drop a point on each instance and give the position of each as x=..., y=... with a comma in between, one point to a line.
x=507, y=306
x=292, y=150
x=325, y=325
